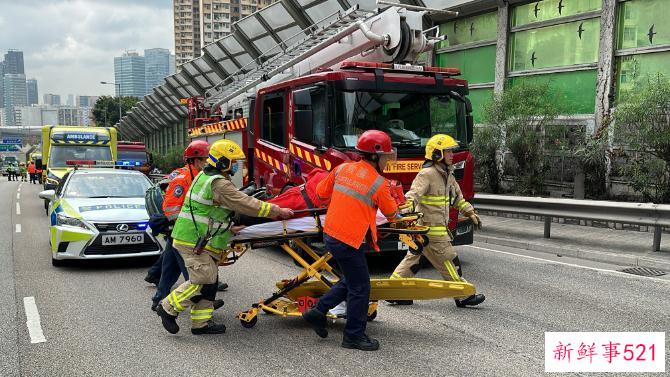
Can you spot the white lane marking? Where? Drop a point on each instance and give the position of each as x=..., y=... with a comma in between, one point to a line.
x=33, y=320
x=18, y=209
x=18, y=228
x=614, y=272
x=18, y=195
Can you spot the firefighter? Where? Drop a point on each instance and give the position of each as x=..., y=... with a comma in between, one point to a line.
x=356, y=190
x=434, y=191
x=201, y=234
x=165, y=272
x=23, y=171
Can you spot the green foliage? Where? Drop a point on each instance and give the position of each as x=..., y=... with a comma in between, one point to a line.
x=592, y=160
x=523, y=112
x=642, y=120
x=173, y=159
x=106, y=109
x=486, y=143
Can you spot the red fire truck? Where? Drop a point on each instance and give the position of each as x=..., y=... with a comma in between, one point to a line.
x=306, y=106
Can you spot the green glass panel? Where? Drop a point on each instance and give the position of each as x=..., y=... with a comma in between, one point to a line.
x=634, y=69
x=477, y=65
x=551, y=9
x=643, y=23
x=470, y=29
x=575, y=91
x=479, y=98
x=555, y=46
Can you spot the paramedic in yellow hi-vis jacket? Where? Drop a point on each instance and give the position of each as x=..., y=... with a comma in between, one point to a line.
x=201, y=234
x=433, y=192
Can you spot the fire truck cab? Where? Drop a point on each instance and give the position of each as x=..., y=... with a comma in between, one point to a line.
x=314, y=122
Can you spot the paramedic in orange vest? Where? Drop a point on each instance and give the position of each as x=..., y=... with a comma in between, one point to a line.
x=356, y=190
x=165, y=272
x=31, y=172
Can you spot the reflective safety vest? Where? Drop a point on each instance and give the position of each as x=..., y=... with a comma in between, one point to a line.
x=180, y=181
x=198, y=214
x=355, y=190
x=434, y=191
x=31, y=168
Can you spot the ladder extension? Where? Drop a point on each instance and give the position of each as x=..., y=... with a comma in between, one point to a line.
x=271, y=63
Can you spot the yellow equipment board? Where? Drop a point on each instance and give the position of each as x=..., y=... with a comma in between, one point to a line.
x=393, y=289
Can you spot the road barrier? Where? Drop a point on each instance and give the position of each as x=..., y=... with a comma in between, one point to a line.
x=649, y=214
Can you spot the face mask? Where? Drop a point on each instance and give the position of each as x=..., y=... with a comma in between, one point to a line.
x=233, y=169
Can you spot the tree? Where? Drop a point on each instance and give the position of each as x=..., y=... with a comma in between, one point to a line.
x=642, y=122
x=519, y=117
x=169, y=161
x=106, y=109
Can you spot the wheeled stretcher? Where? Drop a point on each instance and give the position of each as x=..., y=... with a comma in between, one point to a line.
x=293, y=296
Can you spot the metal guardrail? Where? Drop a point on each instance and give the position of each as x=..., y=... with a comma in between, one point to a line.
x=656, y=215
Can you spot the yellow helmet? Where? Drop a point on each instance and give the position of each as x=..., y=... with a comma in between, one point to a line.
x=437, y=144
x=223, y=152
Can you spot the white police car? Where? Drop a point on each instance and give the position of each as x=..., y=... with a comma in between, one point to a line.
x=99, y=213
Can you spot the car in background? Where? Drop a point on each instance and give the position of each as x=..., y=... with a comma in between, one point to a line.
x=99, y=213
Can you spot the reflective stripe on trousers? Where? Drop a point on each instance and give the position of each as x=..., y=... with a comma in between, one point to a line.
x=176, y=300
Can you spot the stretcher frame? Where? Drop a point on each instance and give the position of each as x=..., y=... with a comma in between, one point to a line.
x=284, y=301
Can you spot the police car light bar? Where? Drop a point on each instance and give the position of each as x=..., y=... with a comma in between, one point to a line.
x=400, y=67
x=128, y=163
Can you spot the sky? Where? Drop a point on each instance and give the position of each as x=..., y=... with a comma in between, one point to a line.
x=69, y=45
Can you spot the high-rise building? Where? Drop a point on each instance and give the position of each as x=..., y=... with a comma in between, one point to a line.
x=36, y=116
x=15, y=95
x=86, y=101
x=68, y=116
x=129, y=74
x=156, y=67
x=51, y=99
x=201, y=22
x=2, y=85
x=14, y=62
x=70, y=100
x=32, y=91
x=173, y=64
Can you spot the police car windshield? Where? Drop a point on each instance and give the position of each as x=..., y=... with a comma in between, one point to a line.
x=409, y=118
x=60, y=154
x=109, y=185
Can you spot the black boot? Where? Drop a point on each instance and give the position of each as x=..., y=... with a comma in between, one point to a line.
x=218, y=304
x=222, y=287
x=364, y=343
x=473, y=300
x=154, y=305
x=211, y=328
x=400, y=302
x=317, y=320
x=151, y=279
x=169, y=321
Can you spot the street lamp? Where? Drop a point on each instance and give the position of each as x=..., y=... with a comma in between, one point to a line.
x=119, y=95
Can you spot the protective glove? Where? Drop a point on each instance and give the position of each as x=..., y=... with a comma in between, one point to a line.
x=407, y=207
x=476, y=221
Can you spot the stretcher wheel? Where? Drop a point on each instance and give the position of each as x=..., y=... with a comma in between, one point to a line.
x=371, y=317
x=250, y=324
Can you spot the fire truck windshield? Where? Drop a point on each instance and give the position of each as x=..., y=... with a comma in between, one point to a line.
x=409, y=118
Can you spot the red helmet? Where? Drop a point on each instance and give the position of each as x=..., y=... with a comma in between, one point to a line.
x=197, y=149
x=374, y=141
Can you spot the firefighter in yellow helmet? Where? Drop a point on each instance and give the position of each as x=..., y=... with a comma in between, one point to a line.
x=201, y=234
x=434, y=191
